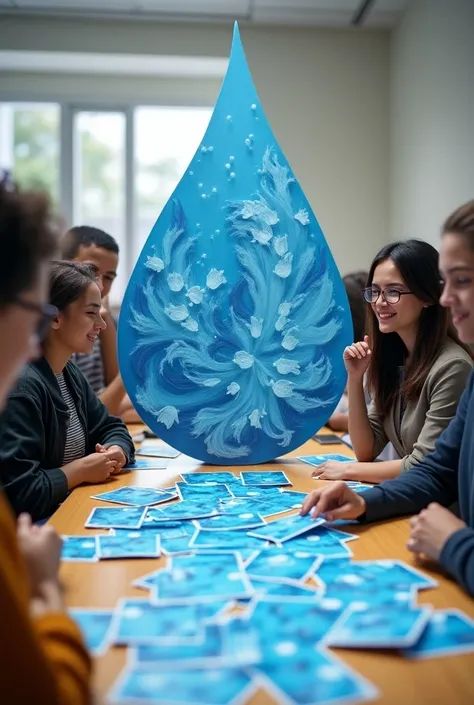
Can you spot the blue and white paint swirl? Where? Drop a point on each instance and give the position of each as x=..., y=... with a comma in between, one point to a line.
x=233, y=325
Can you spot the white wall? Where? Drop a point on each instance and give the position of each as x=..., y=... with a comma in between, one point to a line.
x=326, y=94
x=432, y=116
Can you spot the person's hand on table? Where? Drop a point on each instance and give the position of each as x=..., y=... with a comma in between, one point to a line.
x=430, y=530
x=336, y=502
x=333, y=470
x=115, y=454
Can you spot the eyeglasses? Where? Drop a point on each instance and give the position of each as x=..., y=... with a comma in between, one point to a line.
x=391, y=296
x=45, y=312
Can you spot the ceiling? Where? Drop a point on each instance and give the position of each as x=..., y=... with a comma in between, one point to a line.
x=316, y=13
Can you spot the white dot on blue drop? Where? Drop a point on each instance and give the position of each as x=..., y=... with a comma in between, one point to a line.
x=229, y=118
x=200, y=185
x=210, y=149
x=217, y=232
x=214, y=190
x=227, y=166
x=203, y=195
x=231, y=158
x=232, y=175
x=191, y=173
x=251, y=136
x=253, y=106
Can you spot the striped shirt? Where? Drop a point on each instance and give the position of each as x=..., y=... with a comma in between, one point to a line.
x=75, y=438
x=92, y=367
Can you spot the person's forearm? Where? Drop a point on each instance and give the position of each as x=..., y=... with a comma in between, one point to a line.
x=338, y=422
x=360, y=430
x=374, y=472
x=48, y=598
x=108, y=344
x=74, y=473
x=112, y=395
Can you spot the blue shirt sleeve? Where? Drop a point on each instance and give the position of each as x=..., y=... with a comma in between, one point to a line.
x=457, y=558
x=433, y=480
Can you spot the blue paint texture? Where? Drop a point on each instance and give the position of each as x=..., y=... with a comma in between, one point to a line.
x=233, y=324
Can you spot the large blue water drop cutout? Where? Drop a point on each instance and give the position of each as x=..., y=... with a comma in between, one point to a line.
x=235, y=318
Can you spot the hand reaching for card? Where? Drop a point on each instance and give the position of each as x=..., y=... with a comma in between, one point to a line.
x=336, y=502
x=430, y=530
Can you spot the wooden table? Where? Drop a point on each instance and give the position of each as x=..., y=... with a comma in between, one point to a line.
x=447, y=681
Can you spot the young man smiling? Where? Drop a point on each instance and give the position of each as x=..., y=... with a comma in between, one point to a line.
x=91, y=245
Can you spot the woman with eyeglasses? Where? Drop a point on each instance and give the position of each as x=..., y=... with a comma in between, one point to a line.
x=415, y=365
x=56, y=434
x=42, y=653
x=446, y=475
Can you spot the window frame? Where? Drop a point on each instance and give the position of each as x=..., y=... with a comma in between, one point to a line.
x=67, y=111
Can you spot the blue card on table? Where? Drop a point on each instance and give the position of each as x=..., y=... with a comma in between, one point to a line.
x=147, y=464
x=201, y=492
x=323, y=458
x=181, y=510
x=138, y=621
x=197, y=577
x=115, y=518
x=448, y=633
x=280, y=503
x=208, y=654
x=270, y=478
x=386, y=572
x=321, y=679
x=95, y=625
x=144, y=545
x=301, y=623
x=290, y=590
x=379, y=627
x=223, y=686
x=285, y=529
x=79, y=548
x=240, y=491
x=282, y=564
x=209, y=478
x=157, y=449
x=136, y=496
x=234, y=540
x=224, y=522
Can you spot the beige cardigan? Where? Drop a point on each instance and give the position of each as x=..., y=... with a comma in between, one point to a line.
x=414, y=434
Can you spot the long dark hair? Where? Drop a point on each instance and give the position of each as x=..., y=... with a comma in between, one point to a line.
x=28, y=237
x=68, y=281
x=354, y=283
x=417, y=262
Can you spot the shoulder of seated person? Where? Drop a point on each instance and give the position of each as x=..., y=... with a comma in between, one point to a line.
x=449, y=353
x=28, y=381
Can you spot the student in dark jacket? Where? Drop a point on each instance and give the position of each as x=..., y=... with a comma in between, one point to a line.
x=446, y=474
x=55, y=433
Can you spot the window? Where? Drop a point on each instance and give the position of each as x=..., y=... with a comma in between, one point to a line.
x=165, y=142
x=117, y=170
x=29, y=144
x=99, y=179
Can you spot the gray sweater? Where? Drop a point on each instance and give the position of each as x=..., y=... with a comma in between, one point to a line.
x=414, y=432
